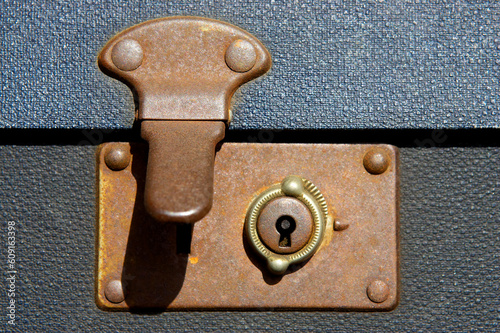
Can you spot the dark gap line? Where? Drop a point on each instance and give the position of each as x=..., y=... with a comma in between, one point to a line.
x=398, y=137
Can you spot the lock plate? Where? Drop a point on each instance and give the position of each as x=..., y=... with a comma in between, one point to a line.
x=143, y=263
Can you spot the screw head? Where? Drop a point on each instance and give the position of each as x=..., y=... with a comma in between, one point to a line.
x=241, y=56
x=118, y=157
x=114, y=292
x=376, y=161
x=377, y=291
x=127, y=55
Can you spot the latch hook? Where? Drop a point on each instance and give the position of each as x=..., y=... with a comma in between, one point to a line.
x=184, y=71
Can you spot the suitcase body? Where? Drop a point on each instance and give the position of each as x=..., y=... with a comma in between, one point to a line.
x=418, y=75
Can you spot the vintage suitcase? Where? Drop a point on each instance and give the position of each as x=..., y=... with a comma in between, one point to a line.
x=420, y=75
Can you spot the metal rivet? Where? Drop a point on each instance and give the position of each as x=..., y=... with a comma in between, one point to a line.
x=339, y=226
x=118, y=157
x=114, y=292
x=241, y=56
x=292, y=186
x=376, y=161
x=127, y=55
x=377, y=291
x=278, y=266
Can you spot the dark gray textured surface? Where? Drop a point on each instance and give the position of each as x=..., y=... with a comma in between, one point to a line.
x=337, y=64
x=450, y=241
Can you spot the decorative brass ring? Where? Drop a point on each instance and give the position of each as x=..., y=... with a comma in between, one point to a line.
x=304, y=191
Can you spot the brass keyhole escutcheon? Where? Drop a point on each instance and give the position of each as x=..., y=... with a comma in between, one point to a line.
x=285, y=224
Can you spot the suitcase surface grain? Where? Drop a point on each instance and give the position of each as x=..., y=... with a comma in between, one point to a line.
x=336, y=64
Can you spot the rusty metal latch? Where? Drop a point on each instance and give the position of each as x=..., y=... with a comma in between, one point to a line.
x=184, y=71
x=311, y=226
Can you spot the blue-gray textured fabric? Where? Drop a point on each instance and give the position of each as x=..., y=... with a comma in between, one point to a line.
x=450, y=251
x=336, y=64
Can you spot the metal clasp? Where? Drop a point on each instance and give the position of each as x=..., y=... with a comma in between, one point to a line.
x=184, y=71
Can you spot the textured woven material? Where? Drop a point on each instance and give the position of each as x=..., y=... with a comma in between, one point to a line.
x=450, y=250
x=337, y=64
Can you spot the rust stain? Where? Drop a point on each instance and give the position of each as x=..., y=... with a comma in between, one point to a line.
x=328, y=235
x=193, y=260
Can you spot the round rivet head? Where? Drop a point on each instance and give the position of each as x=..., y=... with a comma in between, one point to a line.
x=117, y=157
x=292, y=186
x=376, y=161
x=127, y=55
x=278, y=266
x=114, y=292
x=377, y=291
x=241, y=56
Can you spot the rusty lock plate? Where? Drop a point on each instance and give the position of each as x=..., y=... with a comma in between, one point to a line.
x=356, y=267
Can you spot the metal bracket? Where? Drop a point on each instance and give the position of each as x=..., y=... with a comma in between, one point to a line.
x=143, y=263
x=184, y=71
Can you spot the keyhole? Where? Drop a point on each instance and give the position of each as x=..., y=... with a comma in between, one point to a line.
x=285, y=226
